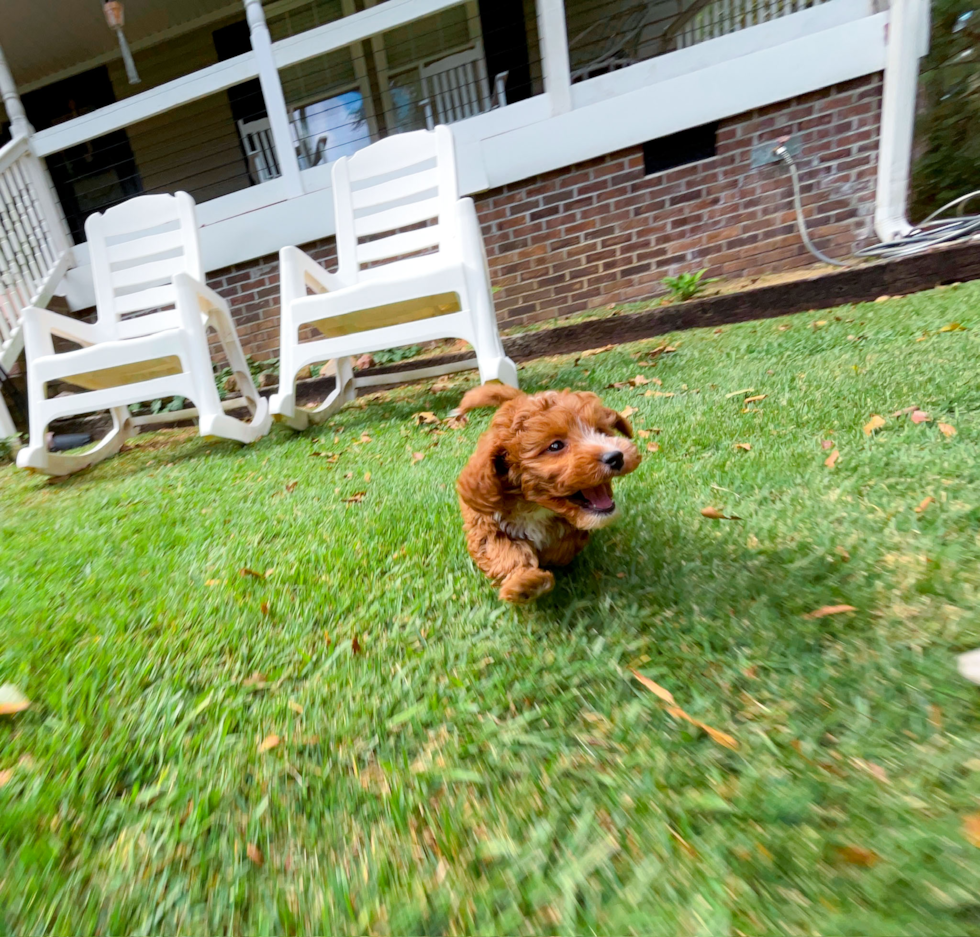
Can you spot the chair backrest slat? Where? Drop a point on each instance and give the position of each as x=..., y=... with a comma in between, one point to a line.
x=136, y=248
x=403, y=182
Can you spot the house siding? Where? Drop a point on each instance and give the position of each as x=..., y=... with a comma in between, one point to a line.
x=604, y=232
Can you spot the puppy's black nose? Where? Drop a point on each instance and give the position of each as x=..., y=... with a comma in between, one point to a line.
x=613, y=459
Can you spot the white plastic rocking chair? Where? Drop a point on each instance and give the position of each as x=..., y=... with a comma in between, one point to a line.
x=393, y=286
x=145, y=256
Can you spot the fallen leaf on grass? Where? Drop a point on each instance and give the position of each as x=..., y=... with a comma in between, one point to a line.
x=744, y=446
x=295, y=707
x=248, y=571
x=417, y=457
x=971, y=829
x=946, y=429
x=367, y=476
x=457, y=422
x=831, y=460
x=658, y=393
x=858, y=855
x=595, y=351
x=264, y=608
x=12, y=700
x=843, y=554
x=355, y=498
x=716, y=515
x=923, y=504
x=425, y=416
x=627, y=412
x=270, y=741
x=876, y=771
x=827, y=444
x=291, y=487
x=254, y=853
x=6, y=775
x=653, y=447
x=738, y=393
x=355, y=645
x=954, y=327
x=876, y=422
x=755, y=399
x=826, y=610
x=364, y=438
x=212, y=582
x=722, y=738
x=920, y=416
x=643, y=433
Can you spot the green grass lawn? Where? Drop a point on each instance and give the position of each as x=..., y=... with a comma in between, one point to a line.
x=450, y=765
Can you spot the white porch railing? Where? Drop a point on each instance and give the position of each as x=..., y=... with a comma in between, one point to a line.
x=721, y=17
x=34, y=251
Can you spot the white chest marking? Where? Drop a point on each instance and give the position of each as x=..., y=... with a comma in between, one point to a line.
x=537, y=525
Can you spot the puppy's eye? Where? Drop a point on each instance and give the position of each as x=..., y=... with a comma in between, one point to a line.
x=556, y=446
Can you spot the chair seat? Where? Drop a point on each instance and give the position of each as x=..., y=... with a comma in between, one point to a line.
x=113, y=363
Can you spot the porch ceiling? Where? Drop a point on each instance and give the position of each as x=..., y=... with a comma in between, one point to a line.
x=45, y=37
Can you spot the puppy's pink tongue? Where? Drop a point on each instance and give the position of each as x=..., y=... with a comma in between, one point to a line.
x=600, y=498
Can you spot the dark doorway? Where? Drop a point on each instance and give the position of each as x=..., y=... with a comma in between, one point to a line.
x=505, y=45
x=95, y=175
x=245, y=99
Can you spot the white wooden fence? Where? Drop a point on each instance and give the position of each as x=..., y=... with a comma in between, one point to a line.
x=34, y=249
x=728, y=16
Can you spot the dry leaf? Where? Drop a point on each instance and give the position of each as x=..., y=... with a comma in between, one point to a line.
x=270, y=741
x=658, y=393
x=457, y=422
x=425, y=416
x=257, y=680
x=783, y=328
x=264, y=608
x=291, y=487
x=843, y=554
x=348, y=476
x=628, y=412
x=716, y=515
x=722, y=738
x=738, y=393
x=6, y=775
x=826, y=610
x=953, y=327
x=831, y=460
x=827, y=444
x=355, y=645
x=643, y=433
x=755, y=399
x=639, y=380
x=971, y=829
x=365, y=437
x=656, y=688
x=923, y=504
x=367, y=476
x=295, y=707
x=858, y=855
x=883, y=299
x=212, y=582
x=254, y=853
x=920, y=416
x=417, y=457
x=355, y=498
x=876, y=422
x=12, y=700
x=653, y=447
x=936, y=717
x=596, y=351
x=946, y=429
x=248, y=571
x=744, y=446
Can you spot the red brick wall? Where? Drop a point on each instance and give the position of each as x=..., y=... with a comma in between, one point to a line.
x=603, y=232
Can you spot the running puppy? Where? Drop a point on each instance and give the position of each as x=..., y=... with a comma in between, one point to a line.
x=539, y=481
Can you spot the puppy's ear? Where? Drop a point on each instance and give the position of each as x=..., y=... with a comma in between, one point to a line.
x=483, y=482
x=487, y=395
x=620, y=423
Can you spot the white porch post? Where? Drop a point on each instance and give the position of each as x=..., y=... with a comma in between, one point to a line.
x=275, y=102
x=553, y=36
x=19, y=125
x=905, y=44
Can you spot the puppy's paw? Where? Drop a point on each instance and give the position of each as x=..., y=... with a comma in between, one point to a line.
x=525, y=585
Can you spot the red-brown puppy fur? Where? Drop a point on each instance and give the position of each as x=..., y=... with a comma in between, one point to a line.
x=539, y=481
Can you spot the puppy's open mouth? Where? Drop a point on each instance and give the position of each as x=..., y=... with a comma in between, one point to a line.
x=598, y=500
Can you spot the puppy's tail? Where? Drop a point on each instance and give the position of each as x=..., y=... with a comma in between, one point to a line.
x=487, y=395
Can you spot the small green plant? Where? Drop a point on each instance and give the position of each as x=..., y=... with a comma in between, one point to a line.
x=8, y=448
x=686, y=285
x=394, y=355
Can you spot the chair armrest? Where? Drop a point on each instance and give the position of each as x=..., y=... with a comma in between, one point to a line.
x=40, y=324
x=297, y=271
x=207, y=299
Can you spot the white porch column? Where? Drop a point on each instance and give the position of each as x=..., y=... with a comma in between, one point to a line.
x=906, y=43
x=275, y=102
x=553, y=35
x=19, y=125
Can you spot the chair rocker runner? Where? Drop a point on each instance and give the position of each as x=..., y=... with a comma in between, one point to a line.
x=411, y=268
x=145, y=257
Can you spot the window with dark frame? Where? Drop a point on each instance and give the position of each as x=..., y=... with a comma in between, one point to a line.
x=679, y=149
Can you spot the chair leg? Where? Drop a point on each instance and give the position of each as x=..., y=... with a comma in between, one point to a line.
x=7, y=428
x=493, y=362
x=344, y=392
x=35, y=456
x=298, y=418
x=213, y=420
